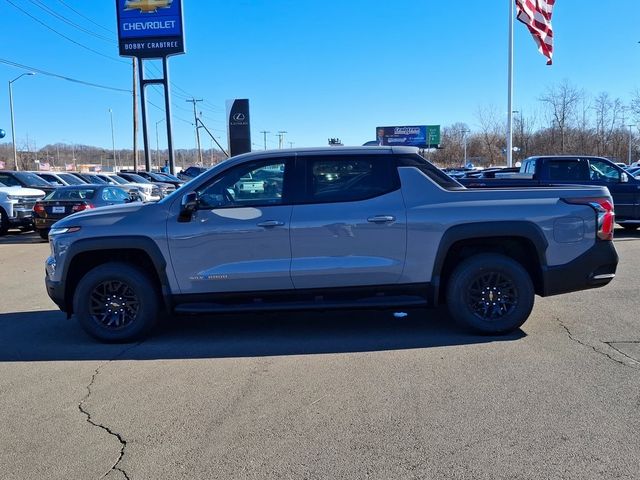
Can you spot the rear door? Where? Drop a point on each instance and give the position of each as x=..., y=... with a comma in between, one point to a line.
x=350, y=228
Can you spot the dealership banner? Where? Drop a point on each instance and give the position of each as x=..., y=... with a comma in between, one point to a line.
x=239, y=127
x=150, y=28
x=423, y=136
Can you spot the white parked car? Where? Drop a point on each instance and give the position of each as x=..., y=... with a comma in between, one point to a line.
x=16, y=207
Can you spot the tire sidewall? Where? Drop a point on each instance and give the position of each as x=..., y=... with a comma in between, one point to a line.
x=142, y=286
x=460, y=283
x=4, y=222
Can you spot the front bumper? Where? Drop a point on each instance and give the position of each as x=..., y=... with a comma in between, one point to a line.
x=21, y=218
x=55, y=290
x=594, y=268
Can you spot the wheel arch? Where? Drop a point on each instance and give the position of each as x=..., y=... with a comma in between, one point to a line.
x=143, y=252
x=521, y=241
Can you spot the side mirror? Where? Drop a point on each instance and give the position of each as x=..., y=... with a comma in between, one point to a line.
x=624, y=178
x=188, y=205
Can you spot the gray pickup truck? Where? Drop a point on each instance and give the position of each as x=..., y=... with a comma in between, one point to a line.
x=366, y=227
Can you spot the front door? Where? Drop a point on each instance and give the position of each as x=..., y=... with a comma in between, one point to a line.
x=238, y=238
x=351, y=228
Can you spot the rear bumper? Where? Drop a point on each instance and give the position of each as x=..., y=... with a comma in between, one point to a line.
x=44, y=223
x=594, y=268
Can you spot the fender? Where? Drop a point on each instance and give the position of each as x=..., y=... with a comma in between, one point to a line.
x=485, y=230
x=145, y=244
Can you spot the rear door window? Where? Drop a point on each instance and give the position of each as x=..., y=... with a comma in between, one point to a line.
x=568, y=170
x=349, y=178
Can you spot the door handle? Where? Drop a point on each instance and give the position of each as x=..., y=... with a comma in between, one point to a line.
x=382, y=219
x=271, y=223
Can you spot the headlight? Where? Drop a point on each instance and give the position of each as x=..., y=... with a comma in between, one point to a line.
x=60, y=231
x=12, y=197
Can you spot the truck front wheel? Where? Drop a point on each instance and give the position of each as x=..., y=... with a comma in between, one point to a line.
x=116, y=302
x=490, y=293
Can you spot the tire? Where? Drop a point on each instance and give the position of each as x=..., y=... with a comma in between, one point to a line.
x=44, y=234
x=630, y=227
x=114, y=283
x=4, y=222
x=478, y=281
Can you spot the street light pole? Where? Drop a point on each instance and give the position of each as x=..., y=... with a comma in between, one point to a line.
x=464, y=140
x=158, y=143
x=113, y=140
x=630, y=141
x=13, y=127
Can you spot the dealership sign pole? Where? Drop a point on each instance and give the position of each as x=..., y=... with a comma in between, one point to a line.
x=152, y=29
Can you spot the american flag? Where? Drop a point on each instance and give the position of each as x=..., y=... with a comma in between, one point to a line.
x=536, y=15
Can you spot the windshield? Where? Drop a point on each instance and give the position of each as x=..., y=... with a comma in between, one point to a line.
x=71, y=179
x=94, y=179
x=170, y=177
x=156, y=177
x=136, y=178
x=32, y=179
x=117, y=179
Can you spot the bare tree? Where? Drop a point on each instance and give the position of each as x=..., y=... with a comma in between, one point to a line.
x=492, y=135
x=561, y=102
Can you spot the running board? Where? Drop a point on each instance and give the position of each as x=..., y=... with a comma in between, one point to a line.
x=373, y=302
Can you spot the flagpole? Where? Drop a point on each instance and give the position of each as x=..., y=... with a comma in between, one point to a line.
x=510, y=88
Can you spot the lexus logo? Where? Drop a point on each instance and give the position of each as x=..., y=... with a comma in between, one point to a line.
x=239, y=117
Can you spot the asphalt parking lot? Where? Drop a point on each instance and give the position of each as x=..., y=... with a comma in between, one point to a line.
x=323, y=395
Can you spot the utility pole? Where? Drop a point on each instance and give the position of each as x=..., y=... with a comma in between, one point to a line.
x=195, y=122
x=264, y=132
x=290, y=144
x=280, y=136
x=135, y=115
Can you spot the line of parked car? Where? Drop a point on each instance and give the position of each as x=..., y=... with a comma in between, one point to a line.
x=36, y=200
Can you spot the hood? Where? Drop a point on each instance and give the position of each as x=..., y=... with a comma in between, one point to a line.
x=27, y=192
x=101, y=216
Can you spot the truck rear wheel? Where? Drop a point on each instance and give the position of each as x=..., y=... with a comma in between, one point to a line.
x=116, y=302
x=490, y=293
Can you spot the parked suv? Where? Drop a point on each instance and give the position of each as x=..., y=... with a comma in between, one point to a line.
x=25, y=180
x=16, y=207
x=340, y=228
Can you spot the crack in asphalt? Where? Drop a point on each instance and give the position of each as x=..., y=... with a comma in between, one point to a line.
x=84, y=411
x=622, y=353
x=571, y=337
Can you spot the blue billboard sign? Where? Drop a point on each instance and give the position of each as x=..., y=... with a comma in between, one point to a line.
x=422, y=136
x=150, y=28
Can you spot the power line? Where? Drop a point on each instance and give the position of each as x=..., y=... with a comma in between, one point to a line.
x=52, y=12
x=62, y=77
x=85, y=17
x=64, y=36
x=172, y=116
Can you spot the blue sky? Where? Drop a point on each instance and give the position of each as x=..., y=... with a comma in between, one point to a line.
x=316, y=69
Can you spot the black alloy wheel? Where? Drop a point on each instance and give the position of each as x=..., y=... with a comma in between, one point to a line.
x=116, y=302
x=490, y=293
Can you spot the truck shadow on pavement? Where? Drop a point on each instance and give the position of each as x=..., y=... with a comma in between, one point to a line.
x=49, y=336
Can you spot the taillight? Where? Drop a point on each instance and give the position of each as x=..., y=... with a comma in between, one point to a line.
x=82, y=207
x=605, y=214
x=38, y=208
